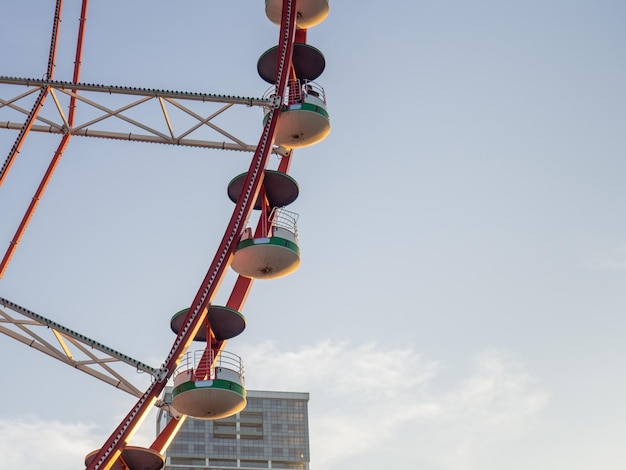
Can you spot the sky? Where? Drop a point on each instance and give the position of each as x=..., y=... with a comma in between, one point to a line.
x=460, y=302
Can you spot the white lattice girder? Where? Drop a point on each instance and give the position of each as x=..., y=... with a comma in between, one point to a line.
x=70, y=347
x=170, y=130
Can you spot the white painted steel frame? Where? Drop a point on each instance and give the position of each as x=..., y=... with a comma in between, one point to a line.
x=68, y=346
x=145, y=133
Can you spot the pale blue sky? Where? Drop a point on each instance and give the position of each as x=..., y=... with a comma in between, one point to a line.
x=460, y=303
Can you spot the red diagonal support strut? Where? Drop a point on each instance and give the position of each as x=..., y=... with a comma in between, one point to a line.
x=31, y=118
x=40, y=99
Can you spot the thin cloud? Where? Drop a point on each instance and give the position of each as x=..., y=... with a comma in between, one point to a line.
x=612, y=259
x=33, y=444
x=371, y=403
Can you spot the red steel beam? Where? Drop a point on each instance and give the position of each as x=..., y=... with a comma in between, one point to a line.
x=167, y=435
x=30, y=119
x=33, y=205
x=112, y=448
x=64, y=140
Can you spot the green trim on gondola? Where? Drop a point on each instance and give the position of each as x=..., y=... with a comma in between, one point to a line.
x=277, y=241
x=217, y=383
x=309, y=107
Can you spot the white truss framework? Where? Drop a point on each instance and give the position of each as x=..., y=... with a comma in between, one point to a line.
x=69, y=347
x=142, y=132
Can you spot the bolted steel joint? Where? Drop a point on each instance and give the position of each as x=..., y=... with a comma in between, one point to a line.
x=161, y=374
x=276, y=101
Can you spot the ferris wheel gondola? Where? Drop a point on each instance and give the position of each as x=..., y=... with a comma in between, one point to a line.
x=208, y=384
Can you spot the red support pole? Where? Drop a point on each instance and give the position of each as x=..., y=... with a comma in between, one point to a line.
x=265, y=209
x=301, y=36
x=78, y=58
x=240, y=292
x=64, y=140
x=167, y=434
x=15, y=150
x=285, y=162
x=33, y=205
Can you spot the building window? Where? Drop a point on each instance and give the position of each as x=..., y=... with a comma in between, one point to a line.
x=292, y=465
x=223, y=462
x=225, y=430
x=254, y=464
x=193, y=461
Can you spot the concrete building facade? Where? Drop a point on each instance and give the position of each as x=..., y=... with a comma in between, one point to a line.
x=271, y=432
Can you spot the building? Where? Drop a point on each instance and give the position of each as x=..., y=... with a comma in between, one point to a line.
x=271, y=432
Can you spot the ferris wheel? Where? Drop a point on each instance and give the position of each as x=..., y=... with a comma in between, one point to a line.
x=208, y=383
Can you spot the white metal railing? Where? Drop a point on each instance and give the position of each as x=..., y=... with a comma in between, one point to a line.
x=206, y=367
x=312, y=89
x=281, y=218
x=298, y=91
